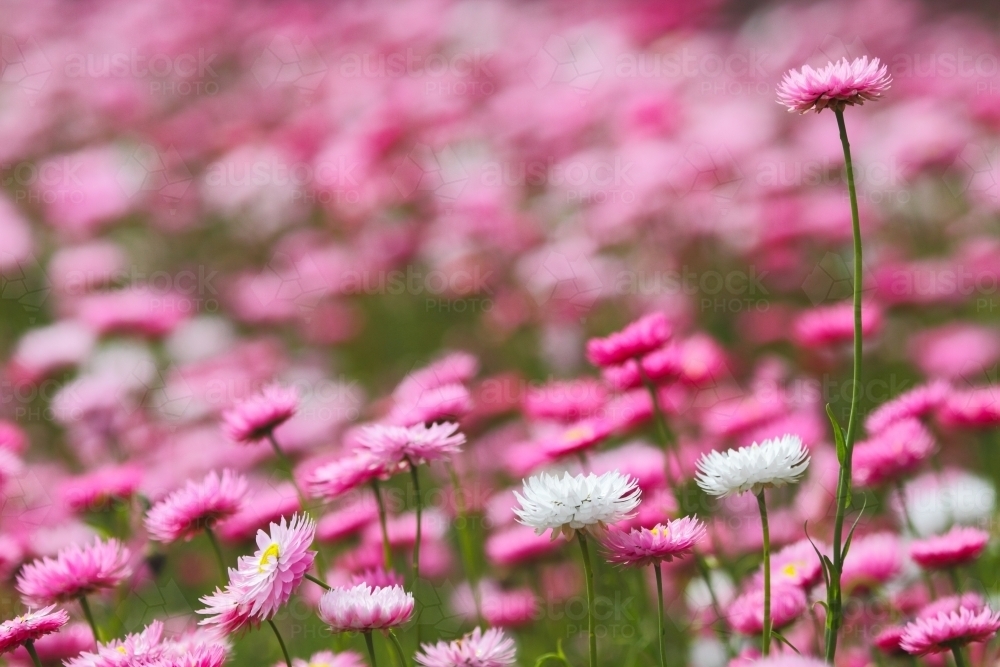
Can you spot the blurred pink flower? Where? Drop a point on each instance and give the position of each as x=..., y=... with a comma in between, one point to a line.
x=75, y=571
x=30, y=626
x=336, y=478
x=397, y=447
x=959, y=546
x=872, y=561
x=897, y=450
x=914, y=403
x=477, y=649
x=949, y=630
x=447, y=402
x=972, y=408
x=745, y=614
x=500, y=607
x=195, y=506
x=834, y=325
x=638, y=338
x=95, y=490
x=565, y=400
x=256, y=417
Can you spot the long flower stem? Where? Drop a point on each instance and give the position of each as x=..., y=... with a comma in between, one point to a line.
x=659, y=615
x=959, y=658
x=415, y=476
x=371, y=646
x=29, y=646
x=591, y=602
x=281, y=643
x=465, y=538
x=394, y=640
x=386, y=550
x=765, y=648
x=89, y=615
x=834, y=618
x=217, y=550
x=319, y=582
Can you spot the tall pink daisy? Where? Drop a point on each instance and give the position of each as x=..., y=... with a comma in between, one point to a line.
x=75, y=571
x=835, y=86
x=397, y=447
x=256, y=417
x=652, y=546
x=949, y=631
x=26, y=628
x=196, y=506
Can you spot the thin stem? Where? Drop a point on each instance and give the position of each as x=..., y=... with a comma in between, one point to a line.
x=217, y=550
x=589, y=572
x=956, y=584
x=394, y=641
x=89, y=615
x=415, y=476
x=30, y=648
x=959, y=658
x=371, y=646
x=464, y=538
x=281, y=643
x=766, y=638
x=286, y=463
x=386, y=550
x=659, y=615
x=319, y=582
x=835, y=616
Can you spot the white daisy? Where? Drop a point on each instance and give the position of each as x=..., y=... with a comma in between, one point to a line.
x=585, y=502
x=760, y=466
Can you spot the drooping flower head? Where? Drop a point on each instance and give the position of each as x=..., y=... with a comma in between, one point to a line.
x=959, y=546
x=835, y=86
x=394, y=447
x=196, y=505
x=476, y=649
x=638, y=338
x=948, y=630
x=771, y=463
x=256, y=417
x=76, y=570
x=646, y=546
x=30, y=626
x=584, y=502
x=363, y=608
x=269, y=577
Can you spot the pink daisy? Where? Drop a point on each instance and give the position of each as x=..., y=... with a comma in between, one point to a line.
x=652, y=546
x=949, y=630
x=336, y=478
x=833, y=325
x=959, y=546
x=195, y=506
x=347, y=519
x=897, y=450
x=917, y=402
x=476, y=649
x=746, y=613
x=75, y=571
x=149, y=648
x=872, y=561
x=447, y=402
x=228, y=610
x=30, y=626
x=254, y=418
x=328, y=659
x=517, y=544
x=835, y=86
x=97, y=489
x=945, y=605
x=578, y=437
x=500, y=608
x=973, y=408
x=565, y=401
x=70, y=641
x=796, y=565
x=888, y=640
x=362, y=608
x=377, y=577
x=397, y=447
x=659, y=365
x=638, y=338
x=454, y=368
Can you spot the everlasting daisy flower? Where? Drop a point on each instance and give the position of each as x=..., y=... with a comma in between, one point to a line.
x=658, y=366
x=972, y=408
x=76, y=571
x=68, y=642
x=915, y=403
x=949, y=631
x=897, y=450
x=256, y=417
x=148, y=648
x=228, y=610
x=888, y=640
x=797, y=565
x=195, y=506
x=453, y=368
x=771, y=463
x=585, y=502
x=833, y=325
x=949, y=603
x=498, y=607
x=835, y=86
x=363, y=608
x=394, y=447
x=517, y=544
x=959, y=546
x=96, y=489
x=565, y=401
x=476, y=649
x=328, y=659
x=638, y=338
x=30, y=626
x=336, y=478
x=649, y=546
x=578, y=437
x=872, y=561
x=447, y=402
x=746, y=613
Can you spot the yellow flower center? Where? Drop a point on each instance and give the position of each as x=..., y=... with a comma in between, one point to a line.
x=790, y=570
x=121, y=649
x=659, y=530
x=578, y=433
x=265, y=558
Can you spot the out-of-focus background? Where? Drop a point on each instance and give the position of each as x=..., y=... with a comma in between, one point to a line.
x=200, y=196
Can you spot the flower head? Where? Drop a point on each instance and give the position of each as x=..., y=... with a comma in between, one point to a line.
x=959, y=546
x=364, y=608
x=76, y=570
x=644, y=335
x=769, y=464
x=328, y=659
x=948, y=630
x=476, y=649
x=269, y=577
x=95, y=489
x=646, y=546
x=872, y=560
x=916, y=402
x=584, y=502
x=746, y=613
x=148, y=648
x=196, y=505
x=257, y=416
x=30, y=626
x=797, y=565
x=393, y=447
x=336, y=478
x=899, y=449
x=834, y=86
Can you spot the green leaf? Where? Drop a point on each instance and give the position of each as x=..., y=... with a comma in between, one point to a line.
x=838, y=435
x=850, y=534
x=780, y=637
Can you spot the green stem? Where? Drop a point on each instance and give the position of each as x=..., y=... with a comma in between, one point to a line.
x=394, y=640
x=30, y=648
x=766, y=637
x=386, y=550
x=959, y=658
x=834, y=618
x=281, y=643
x=415, y=476
x=956, y=585
x=465, y=539
x=89, y=615
x=371, y=646
x=217, y=550
x=286, y=463
x=319, y=582
x=591, y=602
x=659, y=615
